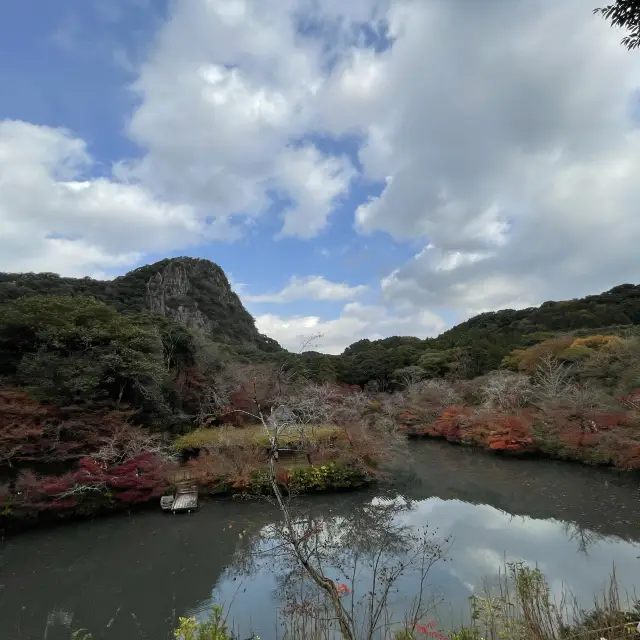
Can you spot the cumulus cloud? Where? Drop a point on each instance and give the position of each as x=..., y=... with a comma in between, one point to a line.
x=357, y=321
x=310, y=288
x=485, y=538
x=502, y=135
x=54, y=218
x=227, y=99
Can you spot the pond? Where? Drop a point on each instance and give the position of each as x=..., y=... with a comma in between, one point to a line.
x=129, y=577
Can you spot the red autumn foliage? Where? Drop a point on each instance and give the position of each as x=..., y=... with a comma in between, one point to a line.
x=429, y=630
x=35, y=432
x=610, y=420
x=239, y=402
x=139, y=479
x=237, y=464
x=108, y=460
x=410, y=417
x=344, y=390
x=451, y=422
x=34, y=494
x=511, y=433
x=608, y=437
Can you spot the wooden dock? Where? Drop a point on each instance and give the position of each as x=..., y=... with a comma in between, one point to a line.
x=185, y=501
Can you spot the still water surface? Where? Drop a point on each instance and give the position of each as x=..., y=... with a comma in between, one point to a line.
x=128, y=577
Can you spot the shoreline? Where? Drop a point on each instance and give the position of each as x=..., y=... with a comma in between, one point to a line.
x=221, y=490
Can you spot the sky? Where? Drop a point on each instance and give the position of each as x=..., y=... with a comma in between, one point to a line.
x=359, y=169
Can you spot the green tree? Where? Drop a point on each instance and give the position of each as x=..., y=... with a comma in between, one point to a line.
x=77, y=349
x=406, y=376
x=434, y=362
x=626, y=15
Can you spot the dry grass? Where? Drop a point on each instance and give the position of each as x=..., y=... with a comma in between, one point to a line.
x=250, y=436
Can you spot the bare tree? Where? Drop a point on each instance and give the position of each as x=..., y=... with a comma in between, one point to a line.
x=128, y=442
x=436, y=389
x=306, y=409
x=552, y=379
x=276, y=422
x=506, y=391
x=371, y=550
x=170, y=341
x=215, y=395
x=295, y=408
x=584, y=537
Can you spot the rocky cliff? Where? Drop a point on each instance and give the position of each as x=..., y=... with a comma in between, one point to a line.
x=190, y=291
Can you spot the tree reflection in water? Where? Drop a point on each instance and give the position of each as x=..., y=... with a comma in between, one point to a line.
x=370, y=554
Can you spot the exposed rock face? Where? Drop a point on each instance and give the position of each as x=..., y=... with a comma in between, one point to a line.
x=168, y=294
x=196, y=293
x=190, y=291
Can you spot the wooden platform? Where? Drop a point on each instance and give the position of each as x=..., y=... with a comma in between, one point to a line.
x=185, y=502
x=185, y=499
x=166, y=502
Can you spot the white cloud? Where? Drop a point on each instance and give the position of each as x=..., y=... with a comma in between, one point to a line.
x=311, y=288
x=485, y=537
x=357, y=321
x=500, y=131
x=315, y=183
x=226, y=97
x=53, y=218
x=510, y=150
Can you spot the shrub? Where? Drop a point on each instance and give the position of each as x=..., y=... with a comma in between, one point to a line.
x=213, y=628
x=450, y=423
x=511, y=434
x=533, y=356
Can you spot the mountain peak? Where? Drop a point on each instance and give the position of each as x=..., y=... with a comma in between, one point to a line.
x=193, y=292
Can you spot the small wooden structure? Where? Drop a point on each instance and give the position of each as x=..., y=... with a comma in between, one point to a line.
x=184, y=500
x=166, y=502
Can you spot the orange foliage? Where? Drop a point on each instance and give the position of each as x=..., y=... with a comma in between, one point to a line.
x=595, y=437
x=533, y=355
x=410, y=417
x=572, y=437
x=596, y=342
x=236, y=464
x=511, y=433
x=450, y=423
x=432, y=430
x=479, y=426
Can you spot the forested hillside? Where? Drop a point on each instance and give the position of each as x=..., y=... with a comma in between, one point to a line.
x=102, y=383
x=194, y=293
x=483, y=343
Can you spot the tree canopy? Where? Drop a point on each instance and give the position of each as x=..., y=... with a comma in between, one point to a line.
x=624, y=14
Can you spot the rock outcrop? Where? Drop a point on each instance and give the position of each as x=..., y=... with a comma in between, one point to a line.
x=196, y=294
x=190, y=291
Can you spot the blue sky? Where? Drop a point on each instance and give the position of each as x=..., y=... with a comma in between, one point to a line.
x=355, y=168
